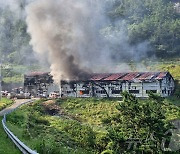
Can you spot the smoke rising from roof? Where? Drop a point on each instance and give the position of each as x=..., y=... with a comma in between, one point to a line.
x=71, y=36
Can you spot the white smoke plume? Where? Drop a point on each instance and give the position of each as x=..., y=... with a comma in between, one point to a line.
x=66, y=33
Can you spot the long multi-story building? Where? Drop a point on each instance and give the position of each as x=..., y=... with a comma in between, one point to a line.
x=104, y=84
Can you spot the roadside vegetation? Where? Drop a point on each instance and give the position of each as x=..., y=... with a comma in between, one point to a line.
x=6, y=145
x=4, y=102
x=93, y=125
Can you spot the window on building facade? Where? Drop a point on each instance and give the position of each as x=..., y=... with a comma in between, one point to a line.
x=153, y=91
x=133, y=87
x=100, y=92
x=82, y=92
x=116, y=91
x=68, y=92
x=134, y=91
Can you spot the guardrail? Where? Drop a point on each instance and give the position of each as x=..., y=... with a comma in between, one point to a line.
x=20, y=145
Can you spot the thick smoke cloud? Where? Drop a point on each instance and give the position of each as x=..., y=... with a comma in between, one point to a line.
x=66, y=33
x=71, y=36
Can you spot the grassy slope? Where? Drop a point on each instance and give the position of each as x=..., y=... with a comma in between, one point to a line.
x=6, y=145
x=4, y=103
x=48, y=133
x=94, y=111
x=54, y=133
x=89, y=110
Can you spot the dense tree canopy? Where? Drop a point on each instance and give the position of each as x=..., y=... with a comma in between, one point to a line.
x=139, y=127
x=157, y=22
x=14, y=40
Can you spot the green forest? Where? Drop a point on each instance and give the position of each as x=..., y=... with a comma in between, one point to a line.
x=156, y=22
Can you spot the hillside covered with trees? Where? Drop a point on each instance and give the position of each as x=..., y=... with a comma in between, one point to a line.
x=156, y=22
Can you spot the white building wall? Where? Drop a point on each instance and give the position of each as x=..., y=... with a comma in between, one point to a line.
x=138, y=88
x=53, y=87
x=67, y=91
x=167, y=86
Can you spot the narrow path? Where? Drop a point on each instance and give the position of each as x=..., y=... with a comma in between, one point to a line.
x=17, y=103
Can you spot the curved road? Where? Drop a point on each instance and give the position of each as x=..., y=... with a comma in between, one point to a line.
x=17, y=103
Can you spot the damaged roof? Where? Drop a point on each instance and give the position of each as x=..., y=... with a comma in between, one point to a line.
x=124, y=76
x=131, y=76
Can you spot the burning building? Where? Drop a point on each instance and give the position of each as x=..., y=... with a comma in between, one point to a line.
x=39, y=83
x=104, y=85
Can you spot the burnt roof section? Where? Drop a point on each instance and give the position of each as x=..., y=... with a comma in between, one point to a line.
x=126, y=76
x=148, y=75
x=98, y=77
x=161, y=75
x=115, y=76
x=129, y=76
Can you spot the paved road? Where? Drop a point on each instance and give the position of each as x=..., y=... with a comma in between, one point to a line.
x=17, y=103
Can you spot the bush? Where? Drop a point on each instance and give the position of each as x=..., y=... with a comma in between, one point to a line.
x=16, y=118
x=81, y=134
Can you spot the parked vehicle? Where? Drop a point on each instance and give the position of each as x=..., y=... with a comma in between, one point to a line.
x=54, y=95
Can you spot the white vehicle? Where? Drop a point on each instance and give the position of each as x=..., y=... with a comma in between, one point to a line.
x=54, y=95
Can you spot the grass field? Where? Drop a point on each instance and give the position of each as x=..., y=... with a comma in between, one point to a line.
x=4, y=102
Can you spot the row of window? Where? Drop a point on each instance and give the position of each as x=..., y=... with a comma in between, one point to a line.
x=137, y=91
x=82, y=92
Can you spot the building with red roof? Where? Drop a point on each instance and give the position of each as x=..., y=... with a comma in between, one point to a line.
x=104, y=84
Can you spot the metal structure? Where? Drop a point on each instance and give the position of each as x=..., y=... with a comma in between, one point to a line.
x=38, y=83
x=104, y=84
x=20, y=145
x=113, y=84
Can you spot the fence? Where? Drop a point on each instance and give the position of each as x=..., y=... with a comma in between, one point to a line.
x=20, y=145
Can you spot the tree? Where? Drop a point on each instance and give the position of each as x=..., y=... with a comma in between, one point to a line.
x=154, y=21
x=138, y=123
